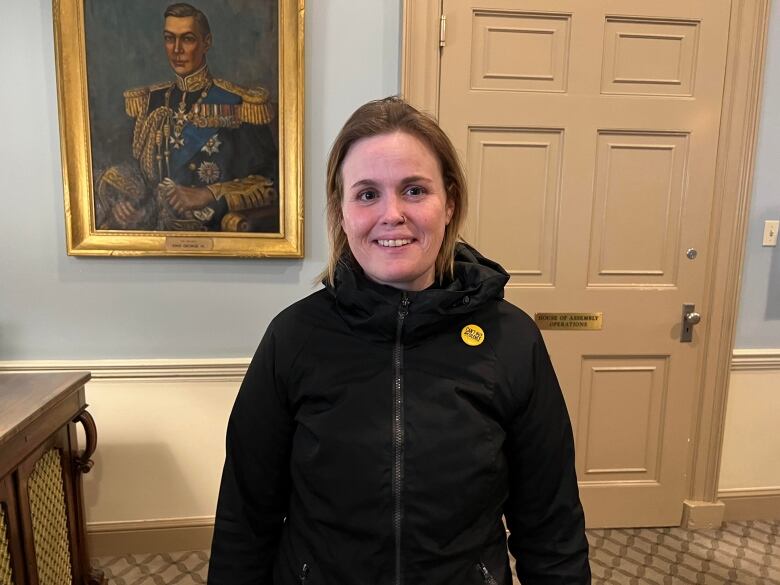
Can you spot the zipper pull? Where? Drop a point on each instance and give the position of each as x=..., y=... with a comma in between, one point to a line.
x=304, y=573
x=486, y=576
x=403, y=310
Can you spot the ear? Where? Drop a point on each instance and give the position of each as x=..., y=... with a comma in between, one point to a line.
x=207, y=42
x=449, y=209
x=342, y=221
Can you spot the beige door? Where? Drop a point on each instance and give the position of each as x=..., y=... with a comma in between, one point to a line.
x=590, y=132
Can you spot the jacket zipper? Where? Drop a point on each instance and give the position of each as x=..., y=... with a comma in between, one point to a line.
x=398, y=435
x=486, y=576
x=304, y=574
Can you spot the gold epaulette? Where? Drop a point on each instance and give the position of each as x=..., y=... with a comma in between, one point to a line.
x=255, y=108
x=137, y=100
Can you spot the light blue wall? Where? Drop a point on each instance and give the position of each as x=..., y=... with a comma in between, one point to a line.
x=758, y=324
x=57, y=307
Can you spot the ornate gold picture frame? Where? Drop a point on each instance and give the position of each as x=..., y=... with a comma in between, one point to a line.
x=181, y=126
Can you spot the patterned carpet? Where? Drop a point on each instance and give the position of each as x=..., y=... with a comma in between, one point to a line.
x=738, y=553
x=183, y=568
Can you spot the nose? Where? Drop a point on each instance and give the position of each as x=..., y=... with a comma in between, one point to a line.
x=393, y=211
x=177, y=46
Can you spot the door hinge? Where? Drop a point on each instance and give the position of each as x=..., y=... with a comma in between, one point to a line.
x=442, y=30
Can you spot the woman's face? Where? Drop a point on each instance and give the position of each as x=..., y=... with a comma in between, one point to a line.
x=395, y=209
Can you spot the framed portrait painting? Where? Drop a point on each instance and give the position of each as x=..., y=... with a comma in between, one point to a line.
x=181, y=126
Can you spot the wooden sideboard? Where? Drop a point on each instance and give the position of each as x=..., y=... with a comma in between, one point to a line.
x=42, y=524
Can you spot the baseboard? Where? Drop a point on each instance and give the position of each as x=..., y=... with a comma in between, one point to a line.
x=751, y=504
x=149, y=536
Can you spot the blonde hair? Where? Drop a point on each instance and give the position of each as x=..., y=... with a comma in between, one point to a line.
x=386, y=116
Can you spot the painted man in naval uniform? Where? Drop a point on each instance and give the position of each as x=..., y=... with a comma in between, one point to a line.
x=204, y=147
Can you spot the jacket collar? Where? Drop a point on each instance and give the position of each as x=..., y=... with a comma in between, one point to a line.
x=371, y=309
x=194, y=81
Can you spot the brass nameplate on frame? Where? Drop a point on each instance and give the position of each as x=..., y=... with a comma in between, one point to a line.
x=173, y=244
x=570, y=321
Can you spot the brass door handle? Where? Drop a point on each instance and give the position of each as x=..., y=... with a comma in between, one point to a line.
x=692, y=318
x=689, y=318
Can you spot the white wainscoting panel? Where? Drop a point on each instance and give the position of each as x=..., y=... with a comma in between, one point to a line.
x=161, y=434
x=750, y=462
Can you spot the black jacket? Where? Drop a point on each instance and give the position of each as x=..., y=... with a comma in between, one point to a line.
x=370, y=444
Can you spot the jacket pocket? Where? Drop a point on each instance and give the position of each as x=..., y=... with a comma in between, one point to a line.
x=303, y=576
x=487, y=578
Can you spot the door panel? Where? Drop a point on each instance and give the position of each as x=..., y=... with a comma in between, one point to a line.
x=504, y=159
x=636, y=387
x=589, y=131
x=519, y=51
x=643, y=250
x=673, y=44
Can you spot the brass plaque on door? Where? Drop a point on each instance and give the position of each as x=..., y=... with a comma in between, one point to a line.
x=570, y=321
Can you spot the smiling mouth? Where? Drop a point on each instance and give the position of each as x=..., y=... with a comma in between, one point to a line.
x=393, y=243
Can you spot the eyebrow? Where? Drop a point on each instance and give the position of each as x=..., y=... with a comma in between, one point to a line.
x=410, y=179
x=173, y=34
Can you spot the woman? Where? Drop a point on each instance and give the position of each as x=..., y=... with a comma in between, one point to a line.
x=388, y=421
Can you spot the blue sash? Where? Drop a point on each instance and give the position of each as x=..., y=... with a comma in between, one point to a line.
x=194, y=137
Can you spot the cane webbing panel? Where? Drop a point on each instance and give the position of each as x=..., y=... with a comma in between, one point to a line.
x=49, y=520
x=6, y=577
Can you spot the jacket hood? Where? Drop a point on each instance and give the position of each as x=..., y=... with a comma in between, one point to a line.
x=371, y=309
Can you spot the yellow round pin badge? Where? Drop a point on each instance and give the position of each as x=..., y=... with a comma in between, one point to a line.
x=472, y=335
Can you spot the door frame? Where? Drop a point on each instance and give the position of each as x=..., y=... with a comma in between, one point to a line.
x=420, y=75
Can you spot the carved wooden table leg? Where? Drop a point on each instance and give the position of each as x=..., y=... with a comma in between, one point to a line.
x=83, y=464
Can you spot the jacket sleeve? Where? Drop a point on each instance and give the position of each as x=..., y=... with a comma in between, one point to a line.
x=254, y=492
x=543, y=512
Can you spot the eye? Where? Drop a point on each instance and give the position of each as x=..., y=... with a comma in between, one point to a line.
x=367, y=195
x=415, y=191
